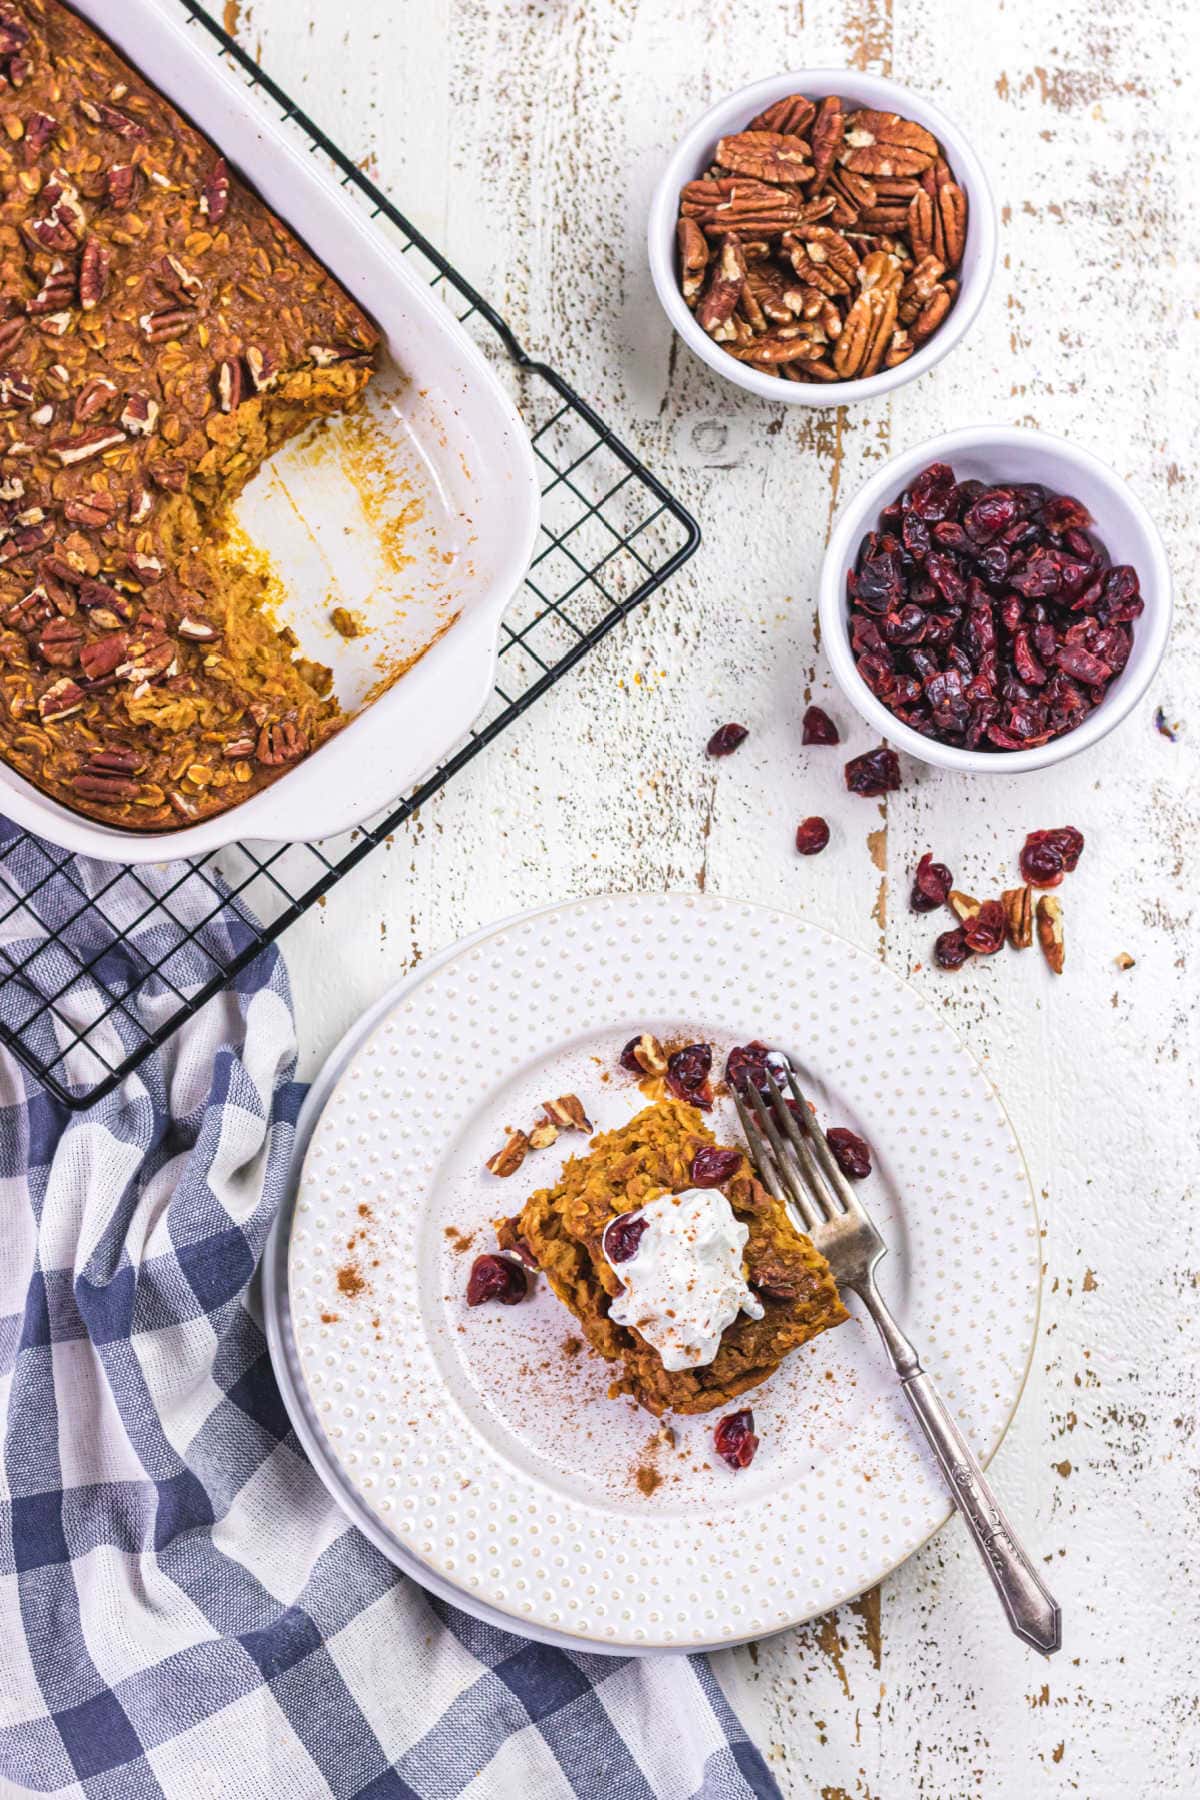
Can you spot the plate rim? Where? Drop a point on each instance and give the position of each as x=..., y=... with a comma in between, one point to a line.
x=285, y=1354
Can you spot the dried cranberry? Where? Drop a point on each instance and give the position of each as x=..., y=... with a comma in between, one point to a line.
x=713, y=1167
x=687, y=1075
x=932, y=494
x=951, y=950
x=819, y=728
x=984, y=932
x=931, y=885
x=628, y=1060
x=622, y=1236
x=1042, y=863
x=1070, y=842
x=812, y=835
x=725, y=740
x=1061, y=513
x=874, y=772
x=734, y=1440
x=991, y=513
x=496, y=1278
x=747, y=1065
x=879, y=579
x=851, y=1153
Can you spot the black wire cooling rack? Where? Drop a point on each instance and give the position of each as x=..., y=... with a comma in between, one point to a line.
x=99, y=966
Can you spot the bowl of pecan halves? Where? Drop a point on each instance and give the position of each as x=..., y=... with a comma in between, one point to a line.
x=822, y=236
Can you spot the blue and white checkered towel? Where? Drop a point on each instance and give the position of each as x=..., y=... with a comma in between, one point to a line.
x=183, y=1610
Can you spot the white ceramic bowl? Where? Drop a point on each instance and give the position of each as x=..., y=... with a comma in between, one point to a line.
x=693, y=155
x=998, y=453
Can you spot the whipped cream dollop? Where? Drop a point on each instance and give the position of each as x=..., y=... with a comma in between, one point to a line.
x=684, y=1283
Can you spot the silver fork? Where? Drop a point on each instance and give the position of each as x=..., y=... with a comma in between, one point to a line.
x=800, y=1170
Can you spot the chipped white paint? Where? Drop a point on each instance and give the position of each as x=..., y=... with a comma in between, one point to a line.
x=525, y=135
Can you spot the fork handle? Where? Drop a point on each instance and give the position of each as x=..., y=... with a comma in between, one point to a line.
x=1032, y=1611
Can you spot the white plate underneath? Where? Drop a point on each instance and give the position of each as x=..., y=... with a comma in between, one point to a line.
x=477, y=1443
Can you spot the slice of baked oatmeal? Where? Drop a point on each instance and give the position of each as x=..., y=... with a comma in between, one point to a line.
x=786, y=1278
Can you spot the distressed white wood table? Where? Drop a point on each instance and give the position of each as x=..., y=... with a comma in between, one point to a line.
x=525, y=137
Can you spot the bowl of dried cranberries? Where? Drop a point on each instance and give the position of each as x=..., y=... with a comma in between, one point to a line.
x=822, y=236
x=995, y=600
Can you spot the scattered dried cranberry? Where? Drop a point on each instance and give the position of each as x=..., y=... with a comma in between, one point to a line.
x=687, y=1075
x=931, y=885
x=951, y=950
x=874, y=772
x=985, y=931
x=628, y=1060
x=1065, y=839
x=988, y=617
x=819, y=728
x=713, y=1167
x=747, y=1064
x=496, y=1278
x=1042, y=863
x=812, y=835
x=851, y=1153
x=725, y=740
x=622, y=1236
x=734, y=1440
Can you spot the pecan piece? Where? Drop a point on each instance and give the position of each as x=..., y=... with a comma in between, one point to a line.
x=1018, y=916
x=104, y=655
x=931, y=315
x=567, y=1113
x=507, y=1161
x=117, y=123
x=16, y=391
x=60, y=700
x=828, y=130
x=214, y=196
x=94, y=398
x=124, y=184
x=280, y=741
x=879, y=143
x=921, y=281
x=771, y=156
x=40, y=127
x=693, y=259
x=1050, y=931
x=791, y=116
x=93, y=511
x=178, y=280
x=871, y=320
x=60, y=642
x=57, y=289
x=649, y=1055
x=69, y=451
x=108, y=777
x=543, y=1135
x=11, y=333
x=167, y=322
x=230, y=385
x=263, y=369
x=93, y=273
x=789, y=344
x=963, y=906
x=723, y=290
x=139, y=415
x=937, y=218
x=775, y=1280
x=822, y=258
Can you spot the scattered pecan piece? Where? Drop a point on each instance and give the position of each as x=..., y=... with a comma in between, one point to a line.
x=1125, y=961
x=1050, y=931
x=543, y=1135
x=963, y=906
x=507, y=1161
x=644, y=1056
x=1018, y=916
x=567, y=1113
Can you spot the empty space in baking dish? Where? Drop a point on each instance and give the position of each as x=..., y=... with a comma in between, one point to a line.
x=364, y=526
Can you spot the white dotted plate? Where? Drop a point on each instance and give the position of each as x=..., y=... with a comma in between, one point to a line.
x=482, y=1439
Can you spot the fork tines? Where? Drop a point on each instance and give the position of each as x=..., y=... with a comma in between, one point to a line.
x=794, y=1156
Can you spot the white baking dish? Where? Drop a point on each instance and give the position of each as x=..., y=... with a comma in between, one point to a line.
x=441, y=433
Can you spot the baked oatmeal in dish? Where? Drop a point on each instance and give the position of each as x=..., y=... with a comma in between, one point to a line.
x=676, y=1262
x=161, y=334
